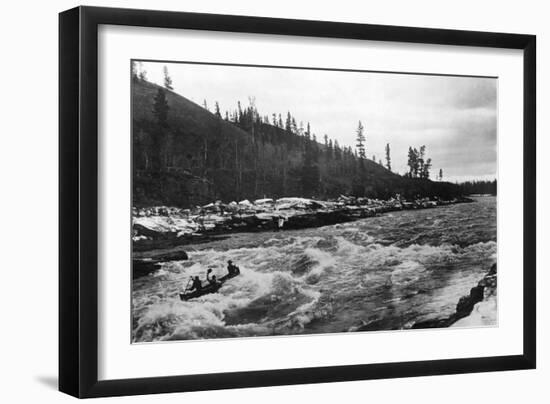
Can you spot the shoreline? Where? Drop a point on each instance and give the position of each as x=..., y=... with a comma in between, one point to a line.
x=163, y=228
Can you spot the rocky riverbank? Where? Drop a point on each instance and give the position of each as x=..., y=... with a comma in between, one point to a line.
x=165, y=227
x=470, y=309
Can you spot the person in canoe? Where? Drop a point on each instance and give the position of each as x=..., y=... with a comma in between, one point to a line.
x=196, y=285
x=208, y=275
x=211, y=279
x=232, y=269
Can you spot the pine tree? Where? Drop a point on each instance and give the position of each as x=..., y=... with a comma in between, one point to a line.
x=217, y=110
x=307, y=134
x=421, y=154
x=412, y=162
x=388, y=158
x=160, y=108
x=133, y=66
x=426, y=169
x=288, y=123
x=142, y=72
x=440, y=174
x=417, y=163
x=167, y=79
x=205, y=105
x=337, y=150
x=361, y=141
x=294, y=126
x=160, y=112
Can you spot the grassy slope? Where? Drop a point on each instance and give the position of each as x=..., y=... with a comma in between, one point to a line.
x=184, y=116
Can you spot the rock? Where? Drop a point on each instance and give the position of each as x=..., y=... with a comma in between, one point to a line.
x=485, y=287
x=139, y=229
x=177, y=255
x=466, y=303
x=144, y=264
x=143, y=268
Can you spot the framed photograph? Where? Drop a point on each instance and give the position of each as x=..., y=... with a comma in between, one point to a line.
x=251, y=201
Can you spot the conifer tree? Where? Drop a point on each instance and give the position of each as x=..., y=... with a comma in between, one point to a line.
x=288, y=123
x=388, y=158
x=294, y=126
x=142, y=72
x=133, y=66
x=411, y=162
x=167, y=79
x=160, y=112
x=360, y=141
x=160, y=108
x=421, y=153
x=308, y=132
x=426, y=168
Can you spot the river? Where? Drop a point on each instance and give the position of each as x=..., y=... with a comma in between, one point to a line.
x=385, y=272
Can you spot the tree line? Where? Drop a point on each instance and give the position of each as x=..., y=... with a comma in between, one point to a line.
x=478, y=187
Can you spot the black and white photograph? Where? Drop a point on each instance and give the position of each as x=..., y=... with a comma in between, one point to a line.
x=272, y=201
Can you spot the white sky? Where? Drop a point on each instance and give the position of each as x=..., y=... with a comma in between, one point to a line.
x=455, y=117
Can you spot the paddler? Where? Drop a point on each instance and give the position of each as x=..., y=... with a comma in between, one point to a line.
x=213, y=280
x=208, y=275
x=232, y=269
x=197, y=284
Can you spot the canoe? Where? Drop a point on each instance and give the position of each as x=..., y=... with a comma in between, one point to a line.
x=205, y=290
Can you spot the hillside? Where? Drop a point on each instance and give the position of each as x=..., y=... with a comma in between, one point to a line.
x=192, y=156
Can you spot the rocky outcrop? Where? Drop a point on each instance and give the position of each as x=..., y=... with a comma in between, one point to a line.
x=162, y=227
x=144, y=264
x=483, y=290
x=144, y=267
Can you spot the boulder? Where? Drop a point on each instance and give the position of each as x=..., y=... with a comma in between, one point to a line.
x=146, y=263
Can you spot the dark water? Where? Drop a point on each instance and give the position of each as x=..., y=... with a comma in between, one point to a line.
x=387, y=272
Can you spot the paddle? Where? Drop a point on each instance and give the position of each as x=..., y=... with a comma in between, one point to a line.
x=187, y=286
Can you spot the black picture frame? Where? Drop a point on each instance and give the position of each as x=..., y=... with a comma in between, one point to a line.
x=78, y=201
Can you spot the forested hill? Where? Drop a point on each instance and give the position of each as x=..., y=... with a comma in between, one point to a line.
x=184, y=155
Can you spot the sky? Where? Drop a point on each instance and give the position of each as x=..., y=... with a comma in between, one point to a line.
x=454, y=117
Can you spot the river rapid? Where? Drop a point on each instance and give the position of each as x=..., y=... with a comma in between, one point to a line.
x=380, y=273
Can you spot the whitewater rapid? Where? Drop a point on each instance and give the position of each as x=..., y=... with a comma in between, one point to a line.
x=388, y=271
